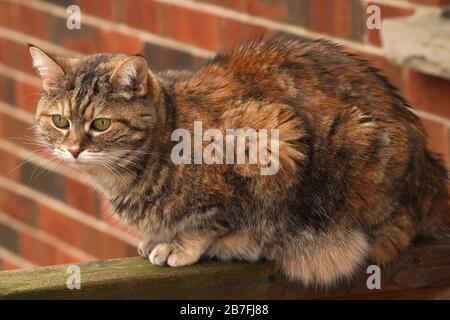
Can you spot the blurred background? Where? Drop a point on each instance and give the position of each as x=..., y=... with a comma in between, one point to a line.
x=48, y=216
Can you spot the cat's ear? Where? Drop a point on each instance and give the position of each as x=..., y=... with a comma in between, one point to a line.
x=132, y=78
x=47, y=67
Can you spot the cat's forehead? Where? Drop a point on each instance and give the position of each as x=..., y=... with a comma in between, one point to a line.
x=84, y=69
x=88, y=75
x=85, y=78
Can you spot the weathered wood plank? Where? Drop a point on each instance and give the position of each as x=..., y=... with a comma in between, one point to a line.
x=423, y=271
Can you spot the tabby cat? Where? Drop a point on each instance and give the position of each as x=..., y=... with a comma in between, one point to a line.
x=356, y=182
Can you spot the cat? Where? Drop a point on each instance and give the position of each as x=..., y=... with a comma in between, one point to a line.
x=356, y=182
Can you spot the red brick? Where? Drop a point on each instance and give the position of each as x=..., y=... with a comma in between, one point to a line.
x=87, y=40
x=17, y=206
x=428, y=93
x=103, y=9
x=275, y=10
x=7, y=89
x=5, y=13
x=197, y=28
x=26, y=96
x=3, y=87
x=331, y=17
x=80, y=44
x=438, y=138
x=58, y=225
x=236, y=32
x=24, y=19
x=15, y=130
x=238, y=5
x=84, y=40
x=111, y=41
x=32, y=22
x=143, y=14
x=16, y=55
x=41, y=253
x=80, y=196
x=387, y=11
x=80, y=235
x=9, y=165
x=21, y=133
x=8, y=265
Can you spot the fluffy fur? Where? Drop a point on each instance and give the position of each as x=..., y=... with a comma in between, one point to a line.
x=356, y=181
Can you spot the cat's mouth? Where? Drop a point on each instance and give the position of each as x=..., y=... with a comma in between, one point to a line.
x=79, y=161
x=82, y=158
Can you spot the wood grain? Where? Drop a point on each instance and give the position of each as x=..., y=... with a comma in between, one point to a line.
x=421, y=273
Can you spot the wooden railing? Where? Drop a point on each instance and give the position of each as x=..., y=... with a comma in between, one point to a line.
x=423, y=272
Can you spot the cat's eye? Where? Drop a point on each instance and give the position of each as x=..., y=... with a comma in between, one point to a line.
x=60, y=121
x=100, y=124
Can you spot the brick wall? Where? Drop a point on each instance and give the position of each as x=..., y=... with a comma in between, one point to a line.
x=47, y=214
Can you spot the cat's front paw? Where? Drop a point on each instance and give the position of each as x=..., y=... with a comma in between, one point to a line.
x=145, y=248
x=160, y=253
x=172, y=255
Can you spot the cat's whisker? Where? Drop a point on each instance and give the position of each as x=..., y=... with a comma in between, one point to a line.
x=26, y=160
x=36, y=94
x=123, y=168
x=141, y=152
x=31, y=142
x=111, y=169
x=52, y=165
x=45, y=167
x=124, y=162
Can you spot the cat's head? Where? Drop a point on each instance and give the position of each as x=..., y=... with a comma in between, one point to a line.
x=95, y=110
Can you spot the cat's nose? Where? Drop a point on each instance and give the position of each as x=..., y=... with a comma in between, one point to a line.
x=75, y=150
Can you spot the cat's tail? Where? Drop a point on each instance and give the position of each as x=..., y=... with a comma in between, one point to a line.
x=436, y=222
